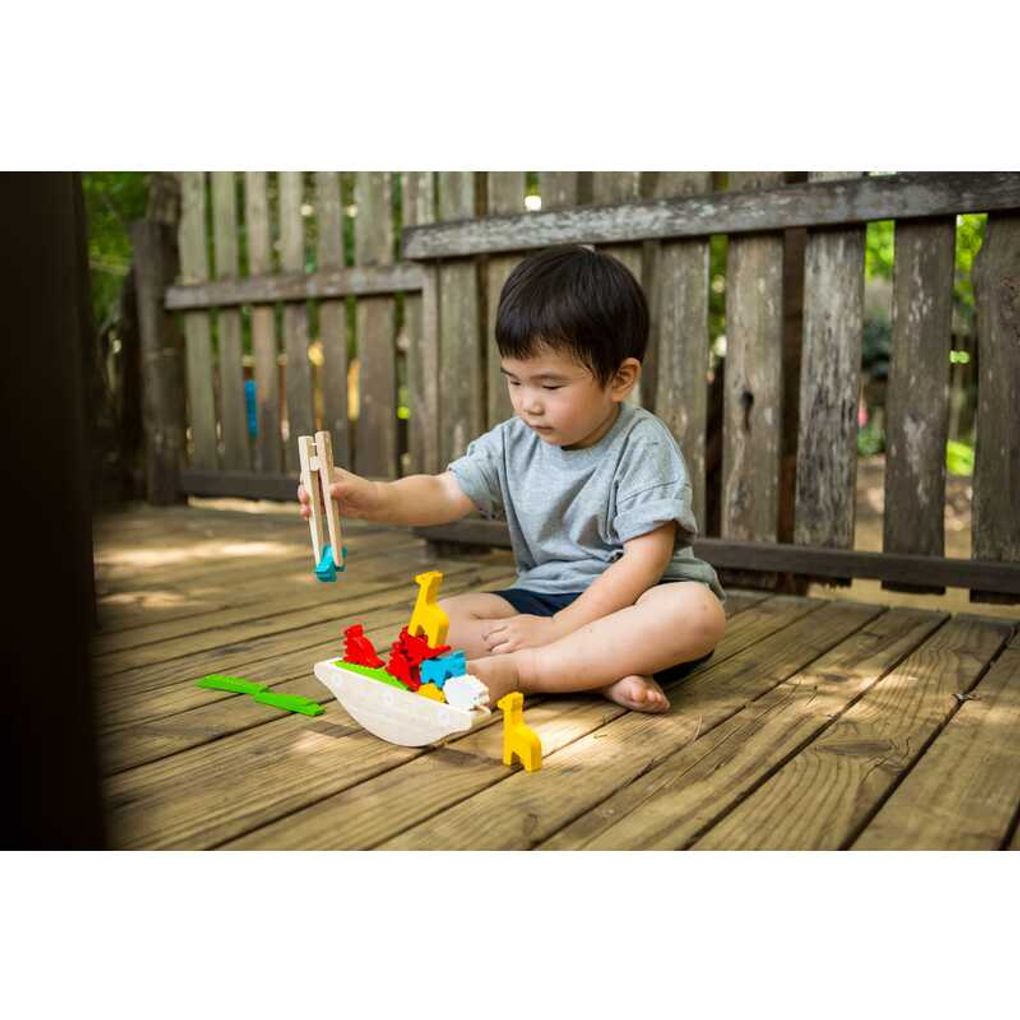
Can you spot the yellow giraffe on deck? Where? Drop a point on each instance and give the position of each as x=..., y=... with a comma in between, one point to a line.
x=427, y=618
x=518, y=738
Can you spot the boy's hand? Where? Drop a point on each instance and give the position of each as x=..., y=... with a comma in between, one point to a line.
x=524, y=631
x=357, y=496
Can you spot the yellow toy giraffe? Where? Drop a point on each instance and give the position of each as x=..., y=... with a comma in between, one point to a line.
x=518, y=738
x=427, y=618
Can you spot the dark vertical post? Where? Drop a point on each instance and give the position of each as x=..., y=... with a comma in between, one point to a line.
x=162, y=379
x=47, y=715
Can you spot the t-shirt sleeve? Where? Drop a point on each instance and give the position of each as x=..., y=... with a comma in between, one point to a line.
x=479, y=472
x=653, y=488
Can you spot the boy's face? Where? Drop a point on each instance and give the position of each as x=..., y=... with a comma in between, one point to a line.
x=560, y=398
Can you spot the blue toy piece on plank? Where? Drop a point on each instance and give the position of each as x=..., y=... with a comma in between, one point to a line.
x=327, y=568
x=439, y=670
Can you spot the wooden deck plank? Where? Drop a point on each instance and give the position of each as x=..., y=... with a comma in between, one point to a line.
x=527, y=808
x=365, y=815
x=271, y=615
x=279, y=592
x=669, y=806
x=188, y=767
x=824, y=796
x=965, y=791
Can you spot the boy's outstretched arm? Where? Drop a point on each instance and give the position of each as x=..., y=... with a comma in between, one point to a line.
x=417, y=500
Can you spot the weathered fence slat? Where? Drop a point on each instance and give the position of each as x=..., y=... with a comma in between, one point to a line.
x=376, y=437
x=678, y=299
x=559, y=189
x=833, y=203
x=996, y=521
x=233, y=414
x=197, y=336
x=917, y=396
x=461, y=410
x=332, y=317
x=300, y=419
x=419, y=207
x=268, y=439
x=829, y=384
x=162, y=382
x=753, y=398
x=505, y=195
x=324, y=284
x=612, y=188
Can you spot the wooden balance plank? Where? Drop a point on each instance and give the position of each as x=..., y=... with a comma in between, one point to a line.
x=672, y=804
x=380, y=808
x=270, y=614
x=519, y=815
x=151, y=692
x=964, y=792
x=823, y=797
x=224, y=789
x=185, y=712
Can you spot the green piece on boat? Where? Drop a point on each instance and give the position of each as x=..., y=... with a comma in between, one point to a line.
x=236, y=684
x=371, y=671
x=290, y=703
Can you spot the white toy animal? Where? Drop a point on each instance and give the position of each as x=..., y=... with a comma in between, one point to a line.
x=466, y=692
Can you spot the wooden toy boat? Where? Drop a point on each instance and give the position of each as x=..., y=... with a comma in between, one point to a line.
x=391, y=713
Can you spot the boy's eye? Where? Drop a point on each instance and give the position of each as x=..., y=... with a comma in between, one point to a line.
x=552, y=387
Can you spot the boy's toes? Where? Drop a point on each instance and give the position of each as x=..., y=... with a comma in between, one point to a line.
x=638, y=693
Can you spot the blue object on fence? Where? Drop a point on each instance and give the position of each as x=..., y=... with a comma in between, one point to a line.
x=249, y=403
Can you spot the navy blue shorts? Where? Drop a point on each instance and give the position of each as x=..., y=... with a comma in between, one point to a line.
x=536, y=603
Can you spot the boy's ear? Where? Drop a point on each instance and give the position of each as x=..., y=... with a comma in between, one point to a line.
x=626, y=378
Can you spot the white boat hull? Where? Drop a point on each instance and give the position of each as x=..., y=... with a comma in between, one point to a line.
x=401, y=717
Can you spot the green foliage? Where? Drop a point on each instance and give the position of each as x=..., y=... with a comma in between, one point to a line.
x=970, y=235
x=112, y=202
x=870, y=439
x=959, y=458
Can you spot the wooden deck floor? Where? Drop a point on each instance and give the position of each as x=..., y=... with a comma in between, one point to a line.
x=817, y=724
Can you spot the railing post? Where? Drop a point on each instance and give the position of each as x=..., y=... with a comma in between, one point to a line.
x=162, y=383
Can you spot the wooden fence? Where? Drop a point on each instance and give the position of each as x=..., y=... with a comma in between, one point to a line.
x=794, y=321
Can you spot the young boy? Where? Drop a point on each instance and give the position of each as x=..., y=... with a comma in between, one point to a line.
x=595, y=492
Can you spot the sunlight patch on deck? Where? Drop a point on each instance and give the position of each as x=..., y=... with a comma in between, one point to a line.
x=192, y=553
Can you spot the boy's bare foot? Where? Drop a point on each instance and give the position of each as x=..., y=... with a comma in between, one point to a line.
x=499, y=673
x=638, y=693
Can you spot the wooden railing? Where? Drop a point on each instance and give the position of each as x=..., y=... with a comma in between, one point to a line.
x=788, y=430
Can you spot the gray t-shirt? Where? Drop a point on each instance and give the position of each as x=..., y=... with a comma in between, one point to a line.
x=570, y=511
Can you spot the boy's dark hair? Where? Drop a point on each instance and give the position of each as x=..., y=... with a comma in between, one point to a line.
x=572, y=299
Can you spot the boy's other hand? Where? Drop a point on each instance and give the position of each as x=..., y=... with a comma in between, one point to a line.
x=524, y=631
x=357, y=496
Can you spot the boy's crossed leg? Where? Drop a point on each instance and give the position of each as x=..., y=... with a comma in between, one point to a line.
x=470, y=616
x=617, y=654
